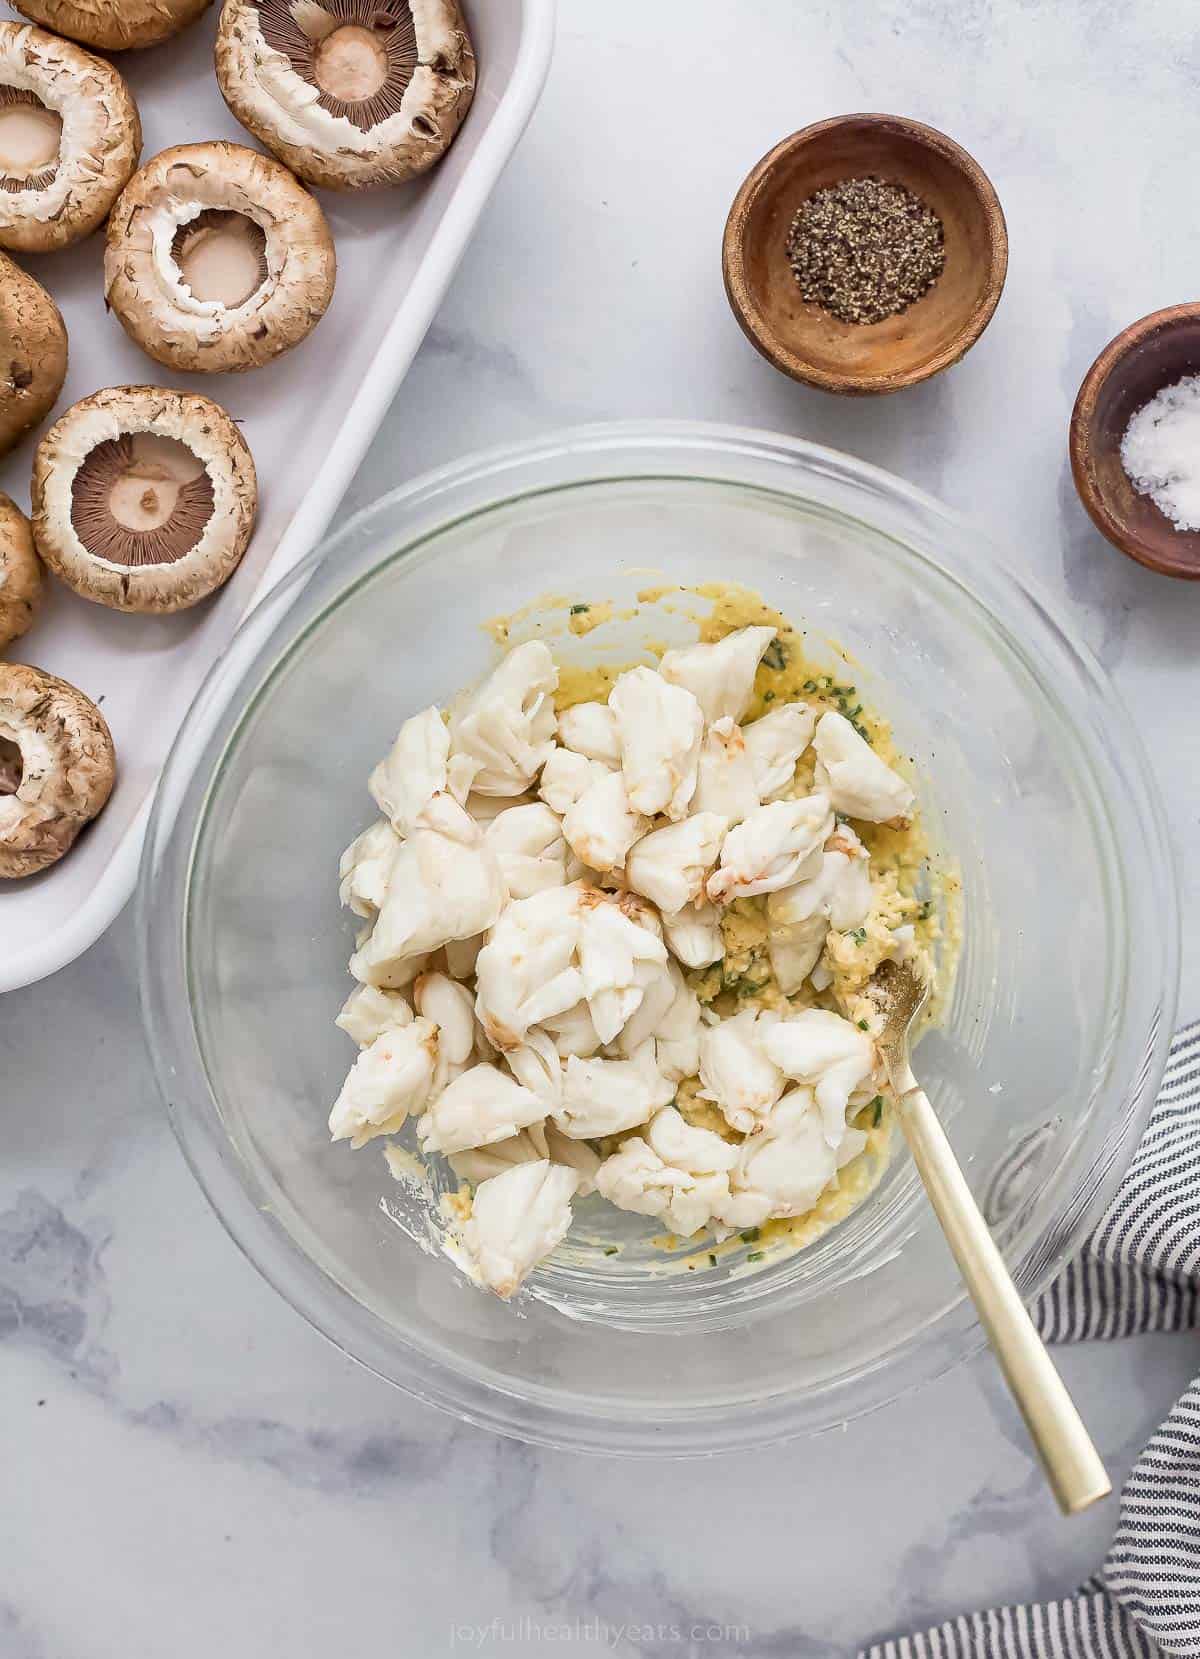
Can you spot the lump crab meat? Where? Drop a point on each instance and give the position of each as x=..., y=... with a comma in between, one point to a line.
x=775, y=743
x=720, y=676
x=736, y=1068
x=504, y=733
x=445, y=884
x=772, y=848
x=830, y=1054
x=670, y=865
x=481, y=1106
x=675, y=1172
x=517, y=1218
x=856, y=780
x=660, y=729
x=388, y=1082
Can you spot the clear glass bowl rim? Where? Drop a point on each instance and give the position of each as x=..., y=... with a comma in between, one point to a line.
x=477, y=484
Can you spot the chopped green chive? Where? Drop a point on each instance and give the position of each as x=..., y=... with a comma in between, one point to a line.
x=756, y=1255
x=863, y=1026
x=751, y=1233
x=577, y=610
x=877, y=1108
x=712, y=1258
x=775, y=656
x=768, y=696
x=611, y=1250
x=810, y=685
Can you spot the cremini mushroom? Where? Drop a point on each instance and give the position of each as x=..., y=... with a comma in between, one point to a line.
x=33, y=352
x=349, y=93
x=115, y=25
x=217, y=259
x=69, y=139
x=143, y=499
x=20, y=573
x=57, y=766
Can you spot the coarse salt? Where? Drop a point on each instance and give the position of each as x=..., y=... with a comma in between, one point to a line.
x=1161, y=451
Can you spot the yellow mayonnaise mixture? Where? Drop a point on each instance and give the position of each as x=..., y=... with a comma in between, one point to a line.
x=910, y=883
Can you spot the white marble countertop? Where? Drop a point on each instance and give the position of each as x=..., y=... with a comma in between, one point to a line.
x=188, y=1469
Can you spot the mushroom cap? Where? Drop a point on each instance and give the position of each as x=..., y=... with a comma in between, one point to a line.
x=67, y=767
x=20, y=573
x=115, y=25
x=145, y=583
x=98, y=149
x=143, y=282
x=311, y=130
x=33, y=352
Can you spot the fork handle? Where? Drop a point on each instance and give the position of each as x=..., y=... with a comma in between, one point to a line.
x=1068, y=1455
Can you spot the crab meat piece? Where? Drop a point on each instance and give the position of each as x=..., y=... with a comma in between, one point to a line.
x=726, y=782
x=661, y=728
x=591, y=729
x=601, y=826
x=736, y=1070
x=659, y=991
x=537, y=1066
x=462, y=955
x=720, y=676
x=799, y=917
x=480, y=1107
x=368, y=1012
x=773, y=847
x=775, y=743
x=675, y=1172
x=670, y=1014
x=480, y=1163
x=365, y=868
x=857, y=782
x=574, y=1032
x=505, y=731
x=540, y=1140
x=452, y=1009
x=391, y=1079
x=694, y=934
x=604, y=1097
x=829, y=1054
x=782, y=1169
x=618, y=958
x=413, y=771
x=566, y=779
x=794, y=948
x=670, y=865
x=517, y=1219
x=529, y=846
x=445, y=884
x=526, y=973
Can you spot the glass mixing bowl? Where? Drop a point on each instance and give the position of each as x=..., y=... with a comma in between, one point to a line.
x=1032, y=779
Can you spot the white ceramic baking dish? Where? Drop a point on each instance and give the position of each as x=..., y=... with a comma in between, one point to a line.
x=308, y=419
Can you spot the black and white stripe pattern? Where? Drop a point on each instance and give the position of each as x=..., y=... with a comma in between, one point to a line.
x=1140, y=1271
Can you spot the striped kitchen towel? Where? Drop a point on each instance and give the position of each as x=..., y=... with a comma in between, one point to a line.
x=1139, y=1271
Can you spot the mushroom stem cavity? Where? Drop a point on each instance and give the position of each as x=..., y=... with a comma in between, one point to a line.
x=12, y=766
x=30, y=140
x=141, y=500
x=222, y=257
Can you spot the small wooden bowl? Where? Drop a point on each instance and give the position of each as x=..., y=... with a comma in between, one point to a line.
x=804, y=340
x=1145, y=357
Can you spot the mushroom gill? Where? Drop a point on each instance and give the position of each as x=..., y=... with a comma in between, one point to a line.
x=222, y=256
x=141, y=500
x=359, y=55
x=30, y=141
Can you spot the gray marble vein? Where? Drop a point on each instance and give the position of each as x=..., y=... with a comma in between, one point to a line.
x=187, y=1467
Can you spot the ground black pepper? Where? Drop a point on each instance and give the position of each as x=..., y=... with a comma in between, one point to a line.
x=865, y=249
